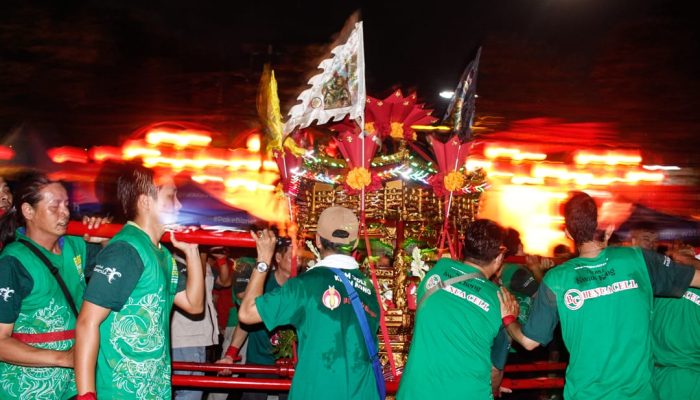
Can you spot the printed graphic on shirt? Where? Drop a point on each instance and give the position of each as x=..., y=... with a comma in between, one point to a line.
x=136, y=336
x=358, y=283
x=692, y=297
x=432, y=282
x=481, y=303
x=110, y=272
x=6, y=293
x=574, y=298
x=331, y=298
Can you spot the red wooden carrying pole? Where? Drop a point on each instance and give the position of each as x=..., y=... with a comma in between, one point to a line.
x=219, y=382
x=283, y=370
x=200, y=236
x=286, y=371
x=536, y=367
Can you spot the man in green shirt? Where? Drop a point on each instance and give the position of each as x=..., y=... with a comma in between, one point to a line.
x=333, y=359
x=37, y=325
x=124, y=325
x=604, y=300
x=458, y=336
x=676, y=343
x=260, y=349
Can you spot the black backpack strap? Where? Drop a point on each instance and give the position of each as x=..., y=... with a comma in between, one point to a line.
x=54, y=272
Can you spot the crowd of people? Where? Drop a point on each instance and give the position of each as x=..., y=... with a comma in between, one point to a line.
x=87, y=318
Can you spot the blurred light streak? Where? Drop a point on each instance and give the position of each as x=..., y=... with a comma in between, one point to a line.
x=179, y=139
x=63, y=154
x=608, y=158
x=253, y=143
x=533, y=211
x=6, y=153
x=661, y=167
x=493, y=152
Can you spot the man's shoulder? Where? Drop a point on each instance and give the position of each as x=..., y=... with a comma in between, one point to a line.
x=118, y=246
x=8, y=260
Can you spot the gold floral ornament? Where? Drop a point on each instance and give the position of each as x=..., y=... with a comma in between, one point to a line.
x=454, y=181
x=359, y=178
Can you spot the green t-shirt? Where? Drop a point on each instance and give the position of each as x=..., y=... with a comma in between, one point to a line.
x=605, y=307
x=518, y=280
x=259, y=350
x=676, y=346
x=333, y=360
x=32, y=300
x=457, y=337
x=138, y=281
x=240, y=281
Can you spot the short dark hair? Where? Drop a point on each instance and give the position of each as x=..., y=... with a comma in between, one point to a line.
x=512, y=241
x=581, y=217
x=337, y=248
x=483, y=241
x=132, y=183
x=645, y=226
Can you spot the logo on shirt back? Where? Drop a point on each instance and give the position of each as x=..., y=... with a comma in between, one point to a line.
x=109, y=272
x=331, y=298
x=574, y=298
x=6, y=293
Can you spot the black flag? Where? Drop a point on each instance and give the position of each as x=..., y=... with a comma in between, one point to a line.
x=460, y=113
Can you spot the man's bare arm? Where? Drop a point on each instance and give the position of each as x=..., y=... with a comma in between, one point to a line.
x=265, y=244
x=13, y=351
x=87, y=344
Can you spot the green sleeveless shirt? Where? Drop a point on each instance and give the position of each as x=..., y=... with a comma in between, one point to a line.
x=42, y=308
x=134, y=356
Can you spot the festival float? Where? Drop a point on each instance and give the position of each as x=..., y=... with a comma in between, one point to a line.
x=415, y=182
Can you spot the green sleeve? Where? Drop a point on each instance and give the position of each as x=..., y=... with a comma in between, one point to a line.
x=500, y=348
x=15, y=285
x=544, y=316
x=283, y=306
x=117, y=270
x=668, y=278
x=91, y=250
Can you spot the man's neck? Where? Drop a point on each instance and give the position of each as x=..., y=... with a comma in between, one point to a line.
x=43, y=239
x=281, y=277
x=487, y=272
x=589, y=249
x=153, y=229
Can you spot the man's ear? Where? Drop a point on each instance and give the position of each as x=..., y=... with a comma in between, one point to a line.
x=27, y=211
x=318, y=241
x=144, y=203
x=278, y=257
x=568, y=235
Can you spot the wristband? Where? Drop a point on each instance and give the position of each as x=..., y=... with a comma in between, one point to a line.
x=508, y=319
x=86, y=396
x=233, y=353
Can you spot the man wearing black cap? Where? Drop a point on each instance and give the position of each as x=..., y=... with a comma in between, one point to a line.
x=333, y=360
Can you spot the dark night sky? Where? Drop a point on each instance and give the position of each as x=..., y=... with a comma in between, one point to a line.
x=90, y=72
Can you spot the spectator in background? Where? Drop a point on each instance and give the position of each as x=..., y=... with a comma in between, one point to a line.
x=5, y=197
x=517, y=278
x=260, y=340
x=562, y=252
x=191, y=334
x=645, y=235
